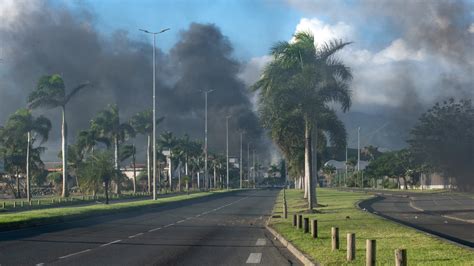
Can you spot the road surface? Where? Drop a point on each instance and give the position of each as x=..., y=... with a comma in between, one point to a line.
x=226, y=229
x=443, y=215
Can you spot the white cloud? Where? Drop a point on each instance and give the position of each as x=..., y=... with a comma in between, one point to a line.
x=325, y=32
x=11, y=9
x=398, y=51
x=471, y=28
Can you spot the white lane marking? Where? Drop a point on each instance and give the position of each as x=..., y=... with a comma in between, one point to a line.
x=178, y=222
x=77, y=253
x=139, y=234
x=168, y=225
x=110, y=243
x=40, y=264
x=261, y=242
x=198, y=215
x=155, y=229
x=189, y=218
x=254, y=258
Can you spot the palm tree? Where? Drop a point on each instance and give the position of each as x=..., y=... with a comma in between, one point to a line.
x=168, y=141
x=51, y=93
x=311, y=78
x=107, y=124
x=142, y=122
x=99, y=168
x=126, y=152
x=20, y=126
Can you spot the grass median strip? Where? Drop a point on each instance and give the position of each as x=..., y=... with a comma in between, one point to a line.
x=38, y=217
x=341, y=212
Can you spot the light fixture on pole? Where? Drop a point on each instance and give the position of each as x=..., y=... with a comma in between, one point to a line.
x=154, y=105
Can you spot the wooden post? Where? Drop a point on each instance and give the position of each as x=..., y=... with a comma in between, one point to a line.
x=39, y=202
x=300, y=221
x=314, y=228
x=306, y=225
x=22, y=204
x=3, y=205
x=370, y=252
x=351, y=249
x=285, y=207
x=401, y=257
x=30, y=203
x=294, y=219
x=335, y=238
x=52, y=201
x=14, y=204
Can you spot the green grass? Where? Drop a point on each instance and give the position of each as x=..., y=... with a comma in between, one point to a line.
x=422, y=249
x=51, y=215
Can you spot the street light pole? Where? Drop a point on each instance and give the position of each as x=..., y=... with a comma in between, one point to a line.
x=241, y=165
x=248, y=163
x=227, y=147
x=254, y=170
x=154, y=106
x=206, y=181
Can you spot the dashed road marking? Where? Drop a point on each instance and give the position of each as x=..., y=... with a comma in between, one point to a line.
x=110, y=243
x=168, y=225
x=178, y=222
x=254, y=258
x=155, y=229
x=38, y=264
x=139, y=234
x=73, y=254
x=261, y=242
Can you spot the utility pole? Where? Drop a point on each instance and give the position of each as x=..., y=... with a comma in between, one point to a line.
x=206, y=181
x=358, y=149
x=248, y=162
x=241, y=162
x=227, y=147
x=345, y=177
x=254, y=172
x=154, y=106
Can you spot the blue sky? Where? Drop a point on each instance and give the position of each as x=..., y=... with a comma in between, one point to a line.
x=252, y=26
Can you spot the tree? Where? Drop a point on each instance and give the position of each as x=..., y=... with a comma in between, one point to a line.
x=126, y=152
x=443, y=139
x=99, y=168
x=299, y=84
x=142, y=122
x=23, y=127
x=107, y=124
x=167, y=141
x=50, y=92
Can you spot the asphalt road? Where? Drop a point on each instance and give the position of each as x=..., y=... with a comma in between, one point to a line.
x=226, y=229
x=409, y=210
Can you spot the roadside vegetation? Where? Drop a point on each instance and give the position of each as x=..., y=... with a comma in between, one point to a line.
x=340, y=211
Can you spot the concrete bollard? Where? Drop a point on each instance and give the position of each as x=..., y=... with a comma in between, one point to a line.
x=300, y=221
x=351, y=246
x=401, y=257
x=294, y=219
x=306, y=225
x=370, y=252
x=314, y=228
x=334, y=238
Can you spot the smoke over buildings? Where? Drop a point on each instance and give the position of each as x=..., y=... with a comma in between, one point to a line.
x=39, y=38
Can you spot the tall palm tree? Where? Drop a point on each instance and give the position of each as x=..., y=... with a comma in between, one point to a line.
x=142, y=122
x=315, y=78
x=50, y=92
x=107, y=124
x=23, y=125
x=167, y=141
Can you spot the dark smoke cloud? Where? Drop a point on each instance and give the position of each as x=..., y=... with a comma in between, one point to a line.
x=51, y=39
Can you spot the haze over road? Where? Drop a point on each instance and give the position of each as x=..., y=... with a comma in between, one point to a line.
x=226, y=229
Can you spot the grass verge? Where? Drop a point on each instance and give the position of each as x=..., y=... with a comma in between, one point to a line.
x=10, y=221
x=422, y=249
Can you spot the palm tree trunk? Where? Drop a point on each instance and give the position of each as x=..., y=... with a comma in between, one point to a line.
x=179, y=177
x=28, y=192
x=148, y=153
x=308, y=163
x=65, y=191
x=18, y=190
x=107, y=192
x=116, y=152
x=170, y=170
x=314, y=181
x=198, y=181
x=215, y=177
x=134, y=172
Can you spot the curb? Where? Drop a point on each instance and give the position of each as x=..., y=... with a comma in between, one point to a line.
x=298, y=254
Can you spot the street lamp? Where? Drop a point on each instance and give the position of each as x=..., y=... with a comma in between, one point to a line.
x=154, y=106
x=227, y=147
x=205, y=138
x=241, y=166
